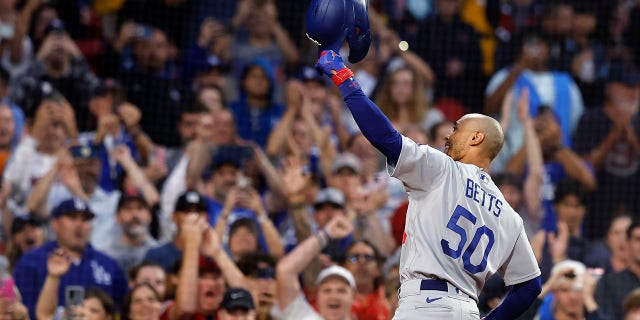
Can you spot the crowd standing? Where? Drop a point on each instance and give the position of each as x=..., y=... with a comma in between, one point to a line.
x=181, y=159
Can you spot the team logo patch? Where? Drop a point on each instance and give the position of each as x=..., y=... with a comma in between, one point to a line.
x=484, y=177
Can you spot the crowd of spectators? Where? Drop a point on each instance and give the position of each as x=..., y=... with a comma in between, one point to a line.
x=182, y=159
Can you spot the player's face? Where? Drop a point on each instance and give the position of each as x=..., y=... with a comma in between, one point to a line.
x=335, y=298
x=568, y=300
x=455, y=147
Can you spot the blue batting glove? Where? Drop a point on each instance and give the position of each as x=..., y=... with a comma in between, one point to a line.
x=330, y=63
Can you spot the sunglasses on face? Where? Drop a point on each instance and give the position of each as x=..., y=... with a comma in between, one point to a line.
x=354, y=258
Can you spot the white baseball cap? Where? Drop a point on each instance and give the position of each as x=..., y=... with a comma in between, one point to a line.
x=336, y=271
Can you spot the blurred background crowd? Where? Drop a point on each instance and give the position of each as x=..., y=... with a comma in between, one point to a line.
x=182, y=159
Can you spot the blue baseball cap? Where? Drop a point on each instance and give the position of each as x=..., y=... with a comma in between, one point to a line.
x=624, y=72
x=71, y=206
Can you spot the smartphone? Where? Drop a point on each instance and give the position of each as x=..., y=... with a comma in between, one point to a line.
x=93, y=151
x=243, y=182
x=7, y=30
x=74, y=298
x=7, y=289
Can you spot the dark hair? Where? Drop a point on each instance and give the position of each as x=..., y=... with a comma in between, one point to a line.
x=244, y=222
x=248, y=263
x=376, y=253
x=133, y=271
x=4, y=75
x=508, y=178
x=126, y=304
x=566, y=188
x=634, y=225
x=379, y=259
x=191, y=109
x=105, y=300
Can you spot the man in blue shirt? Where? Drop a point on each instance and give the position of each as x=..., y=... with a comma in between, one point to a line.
x=90, y=268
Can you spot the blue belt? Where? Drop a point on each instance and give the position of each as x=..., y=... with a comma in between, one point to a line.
x=434, y=284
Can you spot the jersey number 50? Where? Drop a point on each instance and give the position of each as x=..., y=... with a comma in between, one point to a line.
x=468, y=252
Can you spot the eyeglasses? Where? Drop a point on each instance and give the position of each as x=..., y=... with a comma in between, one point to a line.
x=266, y=273
x=354, y=258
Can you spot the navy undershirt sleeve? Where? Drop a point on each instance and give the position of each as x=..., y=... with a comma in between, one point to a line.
x=518, y=300
x=373, y=124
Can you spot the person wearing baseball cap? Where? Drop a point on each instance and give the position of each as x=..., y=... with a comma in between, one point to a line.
x=27, y=233
x=131, y=238
x=85, y=266
x=189, y=203
x=237, y=304
x=335, y=285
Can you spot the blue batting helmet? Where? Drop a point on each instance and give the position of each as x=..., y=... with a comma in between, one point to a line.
x=329, y=22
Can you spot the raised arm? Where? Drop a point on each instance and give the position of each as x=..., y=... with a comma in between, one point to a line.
x=57, y=265
x=533, y=182
x=375, y=126
x=298, y=259
x=122, y=154
x=211, y=248
x=191, y=231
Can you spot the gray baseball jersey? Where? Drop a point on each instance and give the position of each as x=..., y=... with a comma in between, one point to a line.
x=459, y=227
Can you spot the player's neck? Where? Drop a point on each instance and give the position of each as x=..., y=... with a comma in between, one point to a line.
x=480, y=162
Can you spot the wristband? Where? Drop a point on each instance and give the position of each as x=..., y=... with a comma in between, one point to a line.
x=321, y=239
x=263, y=218
x=341, y=76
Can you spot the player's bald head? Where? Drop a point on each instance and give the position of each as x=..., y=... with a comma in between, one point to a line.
x=493, y=135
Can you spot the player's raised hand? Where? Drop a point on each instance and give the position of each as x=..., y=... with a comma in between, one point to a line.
x=339, y=227
x=330, y=63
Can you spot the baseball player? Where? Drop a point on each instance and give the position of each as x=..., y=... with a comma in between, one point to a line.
x=459, y=230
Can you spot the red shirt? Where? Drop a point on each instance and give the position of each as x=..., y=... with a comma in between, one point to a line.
x=196, y=316
x=373, y=306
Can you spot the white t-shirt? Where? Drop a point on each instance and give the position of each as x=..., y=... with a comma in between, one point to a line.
x=459, y=227
x=300, y=309
x=25, y=167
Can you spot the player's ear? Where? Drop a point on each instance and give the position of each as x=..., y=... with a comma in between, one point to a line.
x=476, y=138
